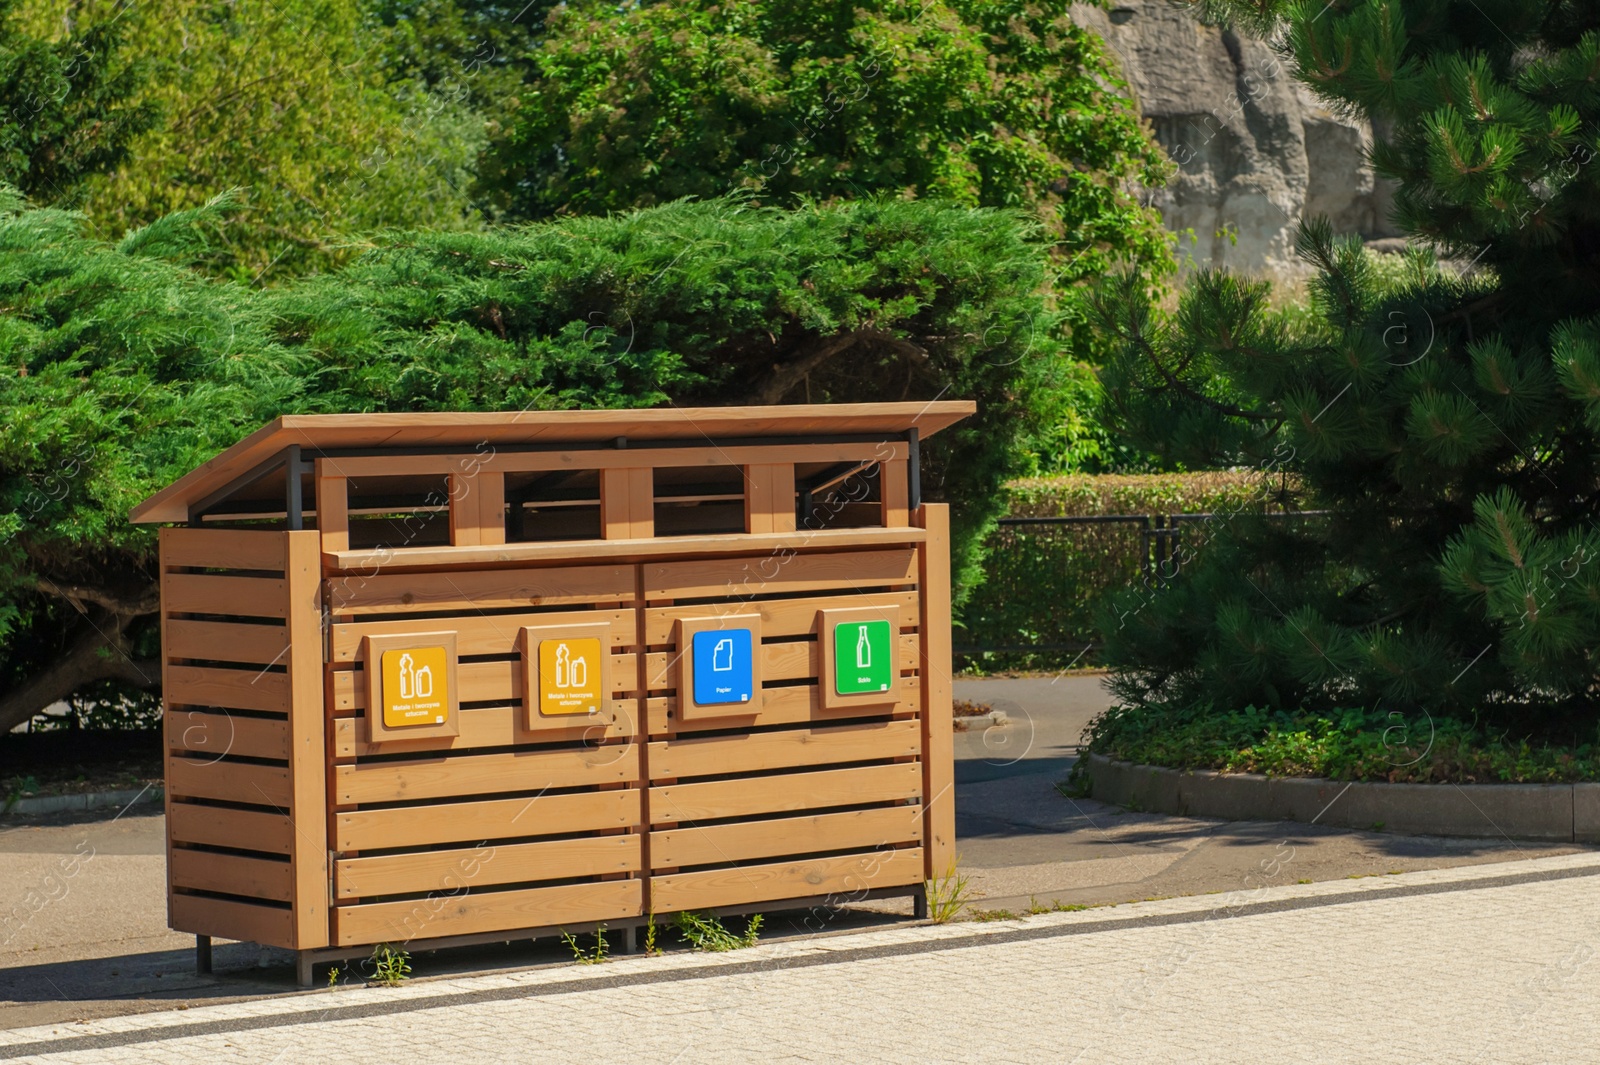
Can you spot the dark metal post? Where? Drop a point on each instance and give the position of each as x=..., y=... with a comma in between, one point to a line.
x=292, y=501
x=202, y=955
x=913, y=469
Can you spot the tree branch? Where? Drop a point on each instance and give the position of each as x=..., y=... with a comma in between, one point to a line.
x=89, y=658
x=147, y=601
x=786, y=375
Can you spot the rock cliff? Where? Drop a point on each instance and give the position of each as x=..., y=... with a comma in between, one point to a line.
x=1255, y=151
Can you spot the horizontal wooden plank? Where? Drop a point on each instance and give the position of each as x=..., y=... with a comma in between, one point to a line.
x=405, y=593
x=489, y=911
x=258, y=549
x=779, y=617
x=217, y=734
x=791, y=705
x=795, y=660
x=511, y=461
x=481, y=774
x=477, y=682
x=487, y=726
x=270, y=926
x=231, y=874
x=219, y=826
x=753, y=548
x=475, y=868
x=202, y=778
x=782, y=750
x=745, y=841
x=233, y=689
x=490, y=819
x=487, y=634
x=842, y=877
x=809, y=572
x=752, y=796
x=210, y=593
x=226, y=641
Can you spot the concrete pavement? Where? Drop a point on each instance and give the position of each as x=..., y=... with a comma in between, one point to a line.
x=1492, y=963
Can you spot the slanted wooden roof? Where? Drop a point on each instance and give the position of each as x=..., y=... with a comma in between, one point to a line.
x=582, y=429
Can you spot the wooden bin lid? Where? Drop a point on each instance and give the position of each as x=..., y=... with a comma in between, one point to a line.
x=315, y=433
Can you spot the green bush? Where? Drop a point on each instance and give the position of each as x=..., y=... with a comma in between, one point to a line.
x=1047, y=584
x=1342, y=744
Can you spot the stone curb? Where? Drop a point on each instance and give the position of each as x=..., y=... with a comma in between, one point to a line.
x=989, y=720
x=1567, y=813
x=92, y=800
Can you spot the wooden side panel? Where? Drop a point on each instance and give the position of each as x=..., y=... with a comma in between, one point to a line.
x=769, y=500
x=751, y=796
x=894, y=477
x=477, y=508
x=443, y=777
x=416, y=593
x=244, y=726
x=885, y=827
x=475, y=868
x=783, y=750
x=938, y=737
x=627, y=503
x=466, y=822
x=333, y=506
x=852, y=570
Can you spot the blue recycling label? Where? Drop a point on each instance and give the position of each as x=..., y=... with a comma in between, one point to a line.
x=723, y=667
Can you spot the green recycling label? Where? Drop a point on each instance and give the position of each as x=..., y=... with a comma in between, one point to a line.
x=863, y=657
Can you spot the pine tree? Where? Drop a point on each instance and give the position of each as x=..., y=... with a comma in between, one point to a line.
x=1443, y=411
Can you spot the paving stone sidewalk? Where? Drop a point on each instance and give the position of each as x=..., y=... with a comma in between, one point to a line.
x=1488, y=963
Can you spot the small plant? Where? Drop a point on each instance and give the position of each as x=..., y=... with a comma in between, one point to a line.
x=993, y=915
x=1076, y=786
x=650, y=948
x=948, y=895
x=333, y=976
x=587, y=957
x=707, y=932
x=1056, y=906
x=391, y=965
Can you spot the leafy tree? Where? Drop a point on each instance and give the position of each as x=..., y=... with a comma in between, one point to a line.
x=291, y=101
x=69, y=105
x=126, y=369
x=1005, y=104
x=1445, y=418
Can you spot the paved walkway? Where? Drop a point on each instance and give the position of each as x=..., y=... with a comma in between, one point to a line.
x=1491, y=963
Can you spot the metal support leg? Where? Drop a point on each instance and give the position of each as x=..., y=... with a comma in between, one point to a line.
x=302, y=968
x=919, y=904
x=630, y=940
x=202, y=955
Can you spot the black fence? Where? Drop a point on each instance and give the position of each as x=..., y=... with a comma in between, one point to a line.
x=1048, y=577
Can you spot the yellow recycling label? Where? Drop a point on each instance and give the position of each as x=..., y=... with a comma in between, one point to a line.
x=569, y=676
x=415, y=686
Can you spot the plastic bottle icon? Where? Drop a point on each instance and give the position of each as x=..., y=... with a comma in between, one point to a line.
x=422, y=682
x=570, y=674
x=722, y=655
x=863, y=650
x=407, y=678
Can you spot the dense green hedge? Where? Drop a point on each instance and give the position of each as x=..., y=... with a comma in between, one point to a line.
x=1339, y=744
x=1044, y=585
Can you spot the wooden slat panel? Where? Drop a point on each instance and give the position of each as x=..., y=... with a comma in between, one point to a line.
x=796, y=660
x=782, y=750
x=224, y=641
x=308, y=741
x=195, y=778
x=237, y=689
x=269, y=925
x=221, y=827
x=779, y=617
x=753, y=840
x=465, y=822
x=219, y=734
x=210, y=593
x=492, y=911
x=232, y=874
x=475, y=868
x=482, y=589
x=786, y=880
x=494, y=634
x=790, y=705
x=938, y=738
x=479, y=682
x=223, y=548
x=750, y=796
x=627, y=503
x=437, y=778
x=800, y=573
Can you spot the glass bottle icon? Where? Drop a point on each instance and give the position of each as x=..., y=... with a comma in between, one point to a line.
x=863, y=649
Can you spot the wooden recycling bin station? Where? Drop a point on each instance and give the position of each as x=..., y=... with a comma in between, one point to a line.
x=437, y=679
